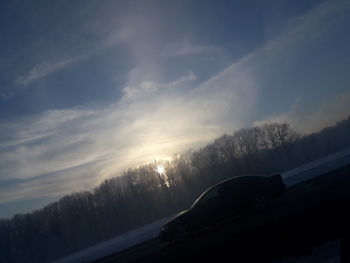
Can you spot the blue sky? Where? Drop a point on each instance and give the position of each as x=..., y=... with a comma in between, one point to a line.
x=90, y=88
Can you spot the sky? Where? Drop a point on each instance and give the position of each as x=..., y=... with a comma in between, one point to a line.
x=91, y=88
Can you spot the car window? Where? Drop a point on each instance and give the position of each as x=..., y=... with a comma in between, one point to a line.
x=211, y=195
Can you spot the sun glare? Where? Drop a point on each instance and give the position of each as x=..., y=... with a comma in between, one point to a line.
x=160, y=169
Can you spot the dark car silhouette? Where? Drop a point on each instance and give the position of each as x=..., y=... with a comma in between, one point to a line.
x=224, y=200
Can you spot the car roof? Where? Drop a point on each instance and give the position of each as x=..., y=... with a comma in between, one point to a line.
x=227, y=181
x=232, y=179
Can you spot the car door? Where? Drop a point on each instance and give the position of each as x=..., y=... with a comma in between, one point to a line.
x=239, y=195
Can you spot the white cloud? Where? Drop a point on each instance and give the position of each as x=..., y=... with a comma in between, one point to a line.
x=144, y=88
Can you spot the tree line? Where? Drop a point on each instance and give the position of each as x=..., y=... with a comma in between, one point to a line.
x=143, y=194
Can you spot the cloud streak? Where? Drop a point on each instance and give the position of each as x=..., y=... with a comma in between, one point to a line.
x=41, y=71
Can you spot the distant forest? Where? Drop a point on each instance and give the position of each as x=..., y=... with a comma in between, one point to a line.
x=142, y=195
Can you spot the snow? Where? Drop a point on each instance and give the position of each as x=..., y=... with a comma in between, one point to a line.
x=116, y=244
x=316, y=168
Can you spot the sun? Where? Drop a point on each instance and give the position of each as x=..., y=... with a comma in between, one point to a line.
x=160, y=169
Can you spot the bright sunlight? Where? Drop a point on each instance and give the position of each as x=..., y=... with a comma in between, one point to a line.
x=160, y=169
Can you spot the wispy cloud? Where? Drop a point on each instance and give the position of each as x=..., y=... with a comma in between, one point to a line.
x=146, y=88
x=51, y=185
x=42, y=70
x=68, y=51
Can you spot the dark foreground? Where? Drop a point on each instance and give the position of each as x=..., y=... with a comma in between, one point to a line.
x=307, y=216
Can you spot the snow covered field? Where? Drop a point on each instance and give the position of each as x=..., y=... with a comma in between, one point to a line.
x=116, y=244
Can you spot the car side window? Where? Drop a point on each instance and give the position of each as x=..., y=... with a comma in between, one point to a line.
x=210, y=196
x=235, y=190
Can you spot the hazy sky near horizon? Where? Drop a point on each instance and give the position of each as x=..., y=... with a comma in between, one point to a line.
x=90, y=88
